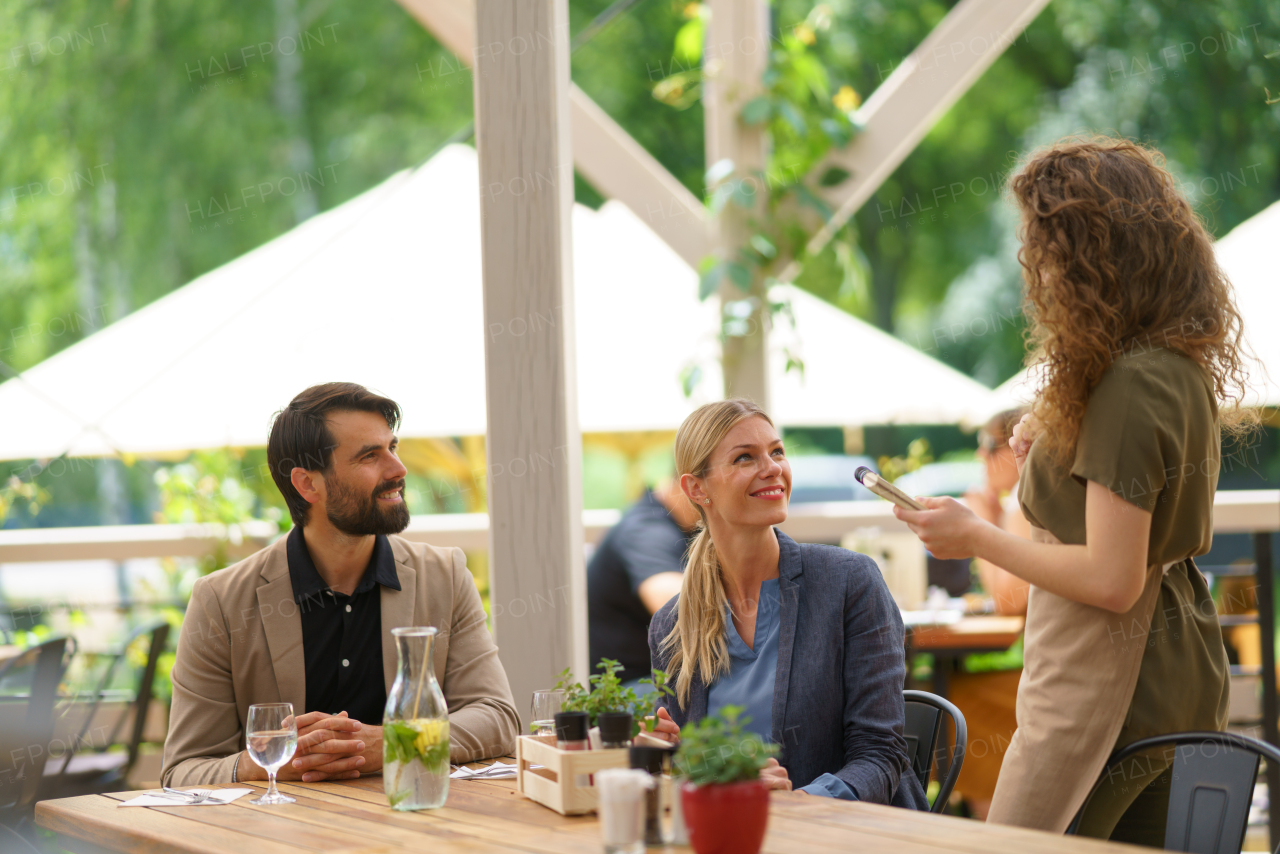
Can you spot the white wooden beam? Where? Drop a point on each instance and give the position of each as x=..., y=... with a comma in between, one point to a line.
x=537, y=577
x=452, y=22
x=906, y=105
x=467, y=531
x=614, y=163
x=124, y=542
x=620, y=168
x=733, y=62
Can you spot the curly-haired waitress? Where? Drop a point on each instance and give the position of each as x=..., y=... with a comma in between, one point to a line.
x=1138, y=340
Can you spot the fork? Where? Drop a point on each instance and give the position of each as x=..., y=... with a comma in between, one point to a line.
x=192, y=798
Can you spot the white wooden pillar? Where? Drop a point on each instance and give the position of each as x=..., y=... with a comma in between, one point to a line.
x=734, y=59
x=534, y=449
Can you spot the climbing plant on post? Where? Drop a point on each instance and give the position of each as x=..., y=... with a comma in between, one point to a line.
x=761, y=151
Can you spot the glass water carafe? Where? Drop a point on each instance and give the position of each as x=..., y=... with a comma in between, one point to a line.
x=415, y=769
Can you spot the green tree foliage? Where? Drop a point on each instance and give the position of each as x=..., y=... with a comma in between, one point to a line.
x=620, y=66
x=1183, y=76
x=146, y=143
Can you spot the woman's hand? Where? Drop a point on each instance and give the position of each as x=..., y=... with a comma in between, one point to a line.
x=774, y=776
x=947, y=528
x=1024, y=433
x=665, y=728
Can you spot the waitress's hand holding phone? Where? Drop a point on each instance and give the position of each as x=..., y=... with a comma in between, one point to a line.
x=947, y=528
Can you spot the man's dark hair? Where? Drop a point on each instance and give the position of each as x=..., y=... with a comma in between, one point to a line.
x=300, y=436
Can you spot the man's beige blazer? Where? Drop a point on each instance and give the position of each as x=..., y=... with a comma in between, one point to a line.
x=241, y=643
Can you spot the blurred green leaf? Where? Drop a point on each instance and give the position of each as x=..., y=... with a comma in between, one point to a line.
x=758, y=110
x=709, y=281
x=833, y=175
x=764, y=246
x=681, y=90
x=739, y=275
x=791, y=114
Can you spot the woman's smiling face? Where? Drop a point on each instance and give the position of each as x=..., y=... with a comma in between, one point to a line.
x=748, y=480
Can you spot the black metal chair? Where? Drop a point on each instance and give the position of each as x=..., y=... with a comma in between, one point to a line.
x=27, y=729
x=86, y=766
x=1213, y=775
x=923, y=728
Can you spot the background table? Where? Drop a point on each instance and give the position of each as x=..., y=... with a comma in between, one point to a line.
x=490, y=816
x=952, y=642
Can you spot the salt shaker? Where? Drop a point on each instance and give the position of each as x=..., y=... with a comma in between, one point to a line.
x=679, y=833
x=621, y=805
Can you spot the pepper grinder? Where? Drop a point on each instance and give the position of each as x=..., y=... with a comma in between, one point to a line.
x=652, y=760
x=615, y=729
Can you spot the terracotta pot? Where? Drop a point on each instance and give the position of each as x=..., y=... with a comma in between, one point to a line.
x=726, y=819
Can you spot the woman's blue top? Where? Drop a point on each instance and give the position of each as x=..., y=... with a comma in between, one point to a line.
x=749, y=682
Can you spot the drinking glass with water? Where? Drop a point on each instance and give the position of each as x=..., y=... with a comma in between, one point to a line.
x=272, y=738
x=546, y=705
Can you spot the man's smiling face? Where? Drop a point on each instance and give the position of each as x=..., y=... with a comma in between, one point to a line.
x=364, y=483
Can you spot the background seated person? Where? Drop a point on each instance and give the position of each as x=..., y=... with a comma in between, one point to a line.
x=989, y=698
x=806, y=638
x=636, y=570
x=997, y=503
x=307, y=620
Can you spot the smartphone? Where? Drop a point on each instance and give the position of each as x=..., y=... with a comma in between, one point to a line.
x=886, y=490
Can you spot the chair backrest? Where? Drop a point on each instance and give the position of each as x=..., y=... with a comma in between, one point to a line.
x=28, y=743
x=1213, y=776
x=158, y=632
x=146, y=688
x=924, y=720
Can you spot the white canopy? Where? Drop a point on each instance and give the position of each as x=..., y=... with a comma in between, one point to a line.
x=1250, y=256
x=1017, y=391
x=385, y=290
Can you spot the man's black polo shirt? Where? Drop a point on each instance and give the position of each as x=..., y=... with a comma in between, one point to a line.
x=342, y=635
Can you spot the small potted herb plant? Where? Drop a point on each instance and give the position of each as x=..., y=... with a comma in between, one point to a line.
x=608, y=695
x=725, y=803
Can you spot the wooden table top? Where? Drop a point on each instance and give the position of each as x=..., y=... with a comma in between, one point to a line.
x=970, y=633
x=490, y=816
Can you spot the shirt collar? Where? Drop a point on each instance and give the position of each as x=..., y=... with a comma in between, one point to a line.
x=307, y=581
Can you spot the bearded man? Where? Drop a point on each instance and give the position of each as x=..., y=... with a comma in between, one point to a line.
x=308, y=619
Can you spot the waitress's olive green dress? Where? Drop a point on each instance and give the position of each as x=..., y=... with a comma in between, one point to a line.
x=1094, y=680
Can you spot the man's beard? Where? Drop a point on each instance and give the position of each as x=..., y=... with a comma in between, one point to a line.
x=360, y=516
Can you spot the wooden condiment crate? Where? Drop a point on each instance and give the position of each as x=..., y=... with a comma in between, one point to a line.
x=555, y=784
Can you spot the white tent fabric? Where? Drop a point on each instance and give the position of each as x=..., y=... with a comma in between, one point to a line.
x=385, y=290
x=855, y=373
x=1250, y=256
x=1018, y=390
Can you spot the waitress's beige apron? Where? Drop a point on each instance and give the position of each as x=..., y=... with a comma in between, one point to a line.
x=1079, y=671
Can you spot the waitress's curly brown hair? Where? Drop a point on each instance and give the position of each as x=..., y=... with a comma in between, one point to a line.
x=1115, y=260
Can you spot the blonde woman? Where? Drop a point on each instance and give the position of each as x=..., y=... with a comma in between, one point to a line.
x=806, y=637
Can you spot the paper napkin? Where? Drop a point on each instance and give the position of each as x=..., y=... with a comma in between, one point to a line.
x=220, y=796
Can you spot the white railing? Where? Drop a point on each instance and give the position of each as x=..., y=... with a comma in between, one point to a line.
x=1234, y=512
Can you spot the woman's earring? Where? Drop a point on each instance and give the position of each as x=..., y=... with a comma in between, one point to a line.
x=706, y=501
